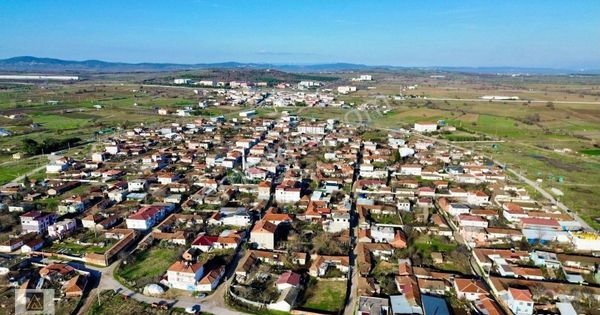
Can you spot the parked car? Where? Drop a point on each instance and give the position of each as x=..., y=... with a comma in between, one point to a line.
x=194, y=309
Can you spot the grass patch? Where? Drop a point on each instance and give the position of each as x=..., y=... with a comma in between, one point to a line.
x=150, y=263
x=428, y=244
x=59, y=121
x=72, y=248
x=594, y=152
x=326, y=296
x=12, y=170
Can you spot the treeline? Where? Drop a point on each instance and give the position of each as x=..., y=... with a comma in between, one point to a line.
x=32, y=147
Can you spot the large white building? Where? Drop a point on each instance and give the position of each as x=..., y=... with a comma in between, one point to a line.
x=363, y=77
x=182, y=81
x=313, y=129
x=426, y=127
x=346, y=89
x=585, y=241
x=37, y=222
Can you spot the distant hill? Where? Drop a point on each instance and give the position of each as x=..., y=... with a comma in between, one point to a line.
x=36, y=64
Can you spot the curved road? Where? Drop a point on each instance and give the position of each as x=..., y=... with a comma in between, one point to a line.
x=214, y=303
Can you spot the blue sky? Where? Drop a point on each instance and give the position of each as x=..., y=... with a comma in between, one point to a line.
x=557, y=34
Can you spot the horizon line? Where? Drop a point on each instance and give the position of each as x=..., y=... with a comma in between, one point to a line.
x=308, y=64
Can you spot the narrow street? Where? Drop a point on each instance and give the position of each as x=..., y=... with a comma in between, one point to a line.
x=352, y=290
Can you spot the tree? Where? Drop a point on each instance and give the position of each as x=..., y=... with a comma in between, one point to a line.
x=27, y=182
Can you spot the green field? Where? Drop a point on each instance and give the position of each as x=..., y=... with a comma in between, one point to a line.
x=13, y=169
x=325, y=295
x=427, y=244
x=150, y=263
x=594, y=152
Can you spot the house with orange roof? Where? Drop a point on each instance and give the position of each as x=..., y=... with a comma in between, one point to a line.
x=520, y=301
x=264, y=190
x=277, y=218
x=185, y=275
x=513, y=212
x=478, y=198
x=470, y=289
x=320, y=264
x=75, y=286
x=488, y=306
x=399, y=240
x=211, y=280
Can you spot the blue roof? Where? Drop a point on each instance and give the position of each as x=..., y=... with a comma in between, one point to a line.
x=434, y=305
x=400, y=305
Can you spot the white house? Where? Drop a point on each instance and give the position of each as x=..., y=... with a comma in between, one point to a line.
x=185, y=275
x=411, y=169
x=520, y=301
x=62, y=228
x=211, y=280
x=99, y=156
x=287, y=195
x=55, y=168
x=346, y=89
x=37, y=222
x=382, y=234
x=264, y=190
x=472, y=220
x=470, y=289
x=117, y=195
x=337, y=223
x=456, y=209
x=587, y=241
x=146, y=217
x=513, y=212
x=137, y=185
x=263, y=234
x=11, y=245
x=478, y=198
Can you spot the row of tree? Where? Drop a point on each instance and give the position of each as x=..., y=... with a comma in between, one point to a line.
x=32, y=147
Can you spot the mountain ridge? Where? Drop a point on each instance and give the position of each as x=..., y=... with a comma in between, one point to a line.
x=44, y=64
